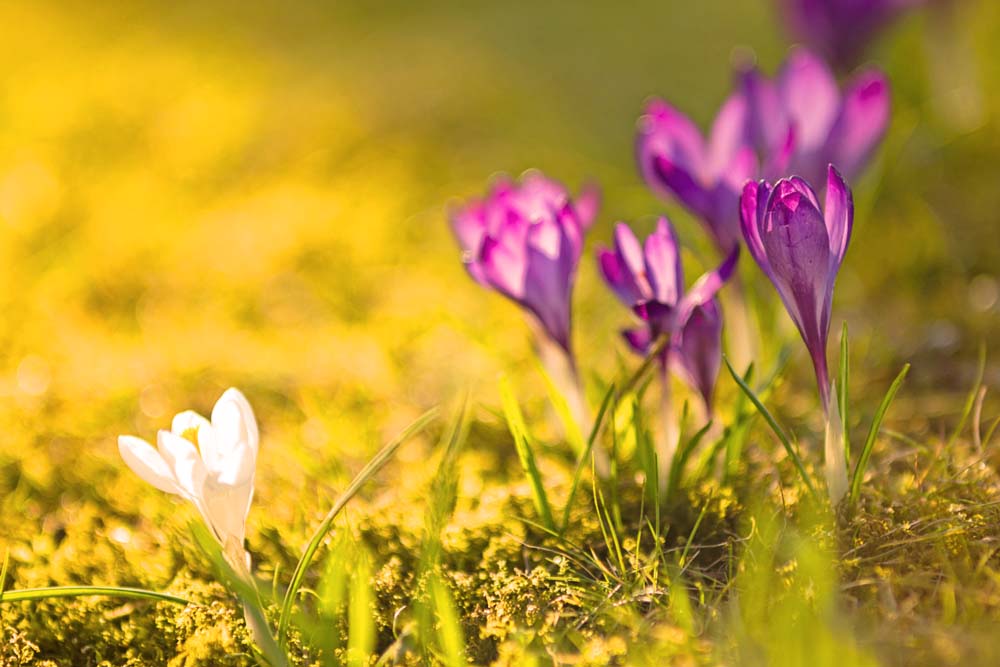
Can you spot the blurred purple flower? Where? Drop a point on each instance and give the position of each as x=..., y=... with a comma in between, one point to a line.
x=704, y=175
x=800, y=250
x=801, y=121
x=649, y=279
x=796, y=123
x=524, y=239
x=841, y=29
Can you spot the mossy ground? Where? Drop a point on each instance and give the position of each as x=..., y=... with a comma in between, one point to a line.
x=193, y=197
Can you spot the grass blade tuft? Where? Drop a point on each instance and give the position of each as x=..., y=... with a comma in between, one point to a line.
x=518, y=430
x=773, y=423
x=859, y=469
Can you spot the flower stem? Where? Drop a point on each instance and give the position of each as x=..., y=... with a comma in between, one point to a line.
x=667, y=444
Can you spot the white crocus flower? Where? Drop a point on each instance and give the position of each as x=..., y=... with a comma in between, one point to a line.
x=209, y=463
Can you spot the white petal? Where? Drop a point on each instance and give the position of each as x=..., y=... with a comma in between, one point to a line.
x=184, y=460
x=234, y=422
x=227, y=507
x=147, y=463
x=237, y=468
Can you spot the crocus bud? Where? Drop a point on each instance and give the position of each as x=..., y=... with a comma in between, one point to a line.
x=211, y=464
x=800, y=248
x=704, y=175
x=524, y=240
x=649, y=279
x=841, y=29
x=800, y=121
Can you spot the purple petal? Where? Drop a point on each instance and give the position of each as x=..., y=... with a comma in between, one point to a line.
x=469, y=226
x=663, y=263
x=861, y=125
x=623, y=269
x=639, y=339
x=673, y=178
x=798, y=249
x=768, y=120
x=671, y=154
x=698, y=350
x=729, y=136
x=587, y=204
x=752, y=207
x=839, y=215
x=548, y=283
x=810, y=97
x=796, y=184
x=503, y=267
x=705, y=288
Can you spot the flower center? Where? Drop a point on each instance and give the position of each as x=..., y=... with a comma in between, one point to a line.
x=191, y=435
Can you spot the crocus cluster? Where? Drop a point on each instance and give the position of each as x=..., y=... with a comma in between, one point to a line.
x=524, y=240
x=210, y=464
x=796, y=123
x=841, y=29
x=649, y=279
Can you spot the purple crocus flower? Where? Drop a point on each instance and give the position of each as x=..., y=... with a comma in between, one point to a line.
x=524, y=239
x=801, y=120
x=705, y=175
x=649, y=279
x=841, y=29
x=800, y=249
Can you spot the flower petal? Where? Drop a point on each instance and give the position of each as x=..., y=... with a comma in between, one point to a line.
x=699, y=350
x=810, y=97
x=838, y=214
x=861, y=125
x=671, y=155
x=587, y=203
x=729, y=136
x=624, y=269
x=182, y=457
x=639, y=339
x=147, y=463
x=752, y=206
x=663, y=263
x=550, y=271
x=234, y=422
x=706, y=287
x=798, y=248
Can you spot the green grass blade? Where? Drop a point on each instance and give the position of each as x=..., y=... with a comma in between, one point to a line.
x=859, y=469
x=360, y=614
x=773, y=423
x=581, y=463
x=681, y=459
x=3, y=571
x=518, y=431
x=450, y=638
x=971, y=400
x=561, y=406
x=369, y=471
x=25, y=594
x=844, y=379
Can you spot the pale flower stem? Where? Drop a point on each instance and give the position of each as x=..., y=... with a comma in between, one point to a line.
x=669, y=430
x=834, y=458
x=739, y=327
x=561, y=367
x=239, y=559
